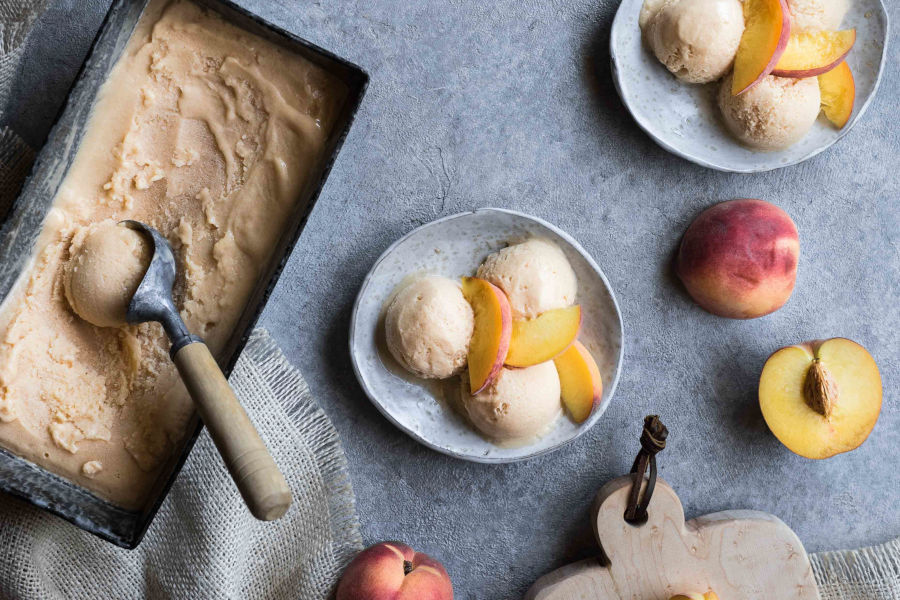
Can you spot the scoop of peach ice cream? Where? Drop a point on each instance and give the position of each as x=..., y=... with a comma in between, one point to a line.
x=695, y=39
x=107, y=262
x=817, y=15
x=535, y=275
x=428, y=326
x=772, y=115
x=520, y=404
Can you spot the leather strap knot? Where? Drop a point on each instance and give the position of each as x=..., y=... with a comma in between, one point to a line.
x=653, y=441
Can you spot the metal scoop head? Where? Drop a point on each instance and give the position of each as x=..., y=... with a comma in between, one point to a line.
x=245, y=454
x=153, y=299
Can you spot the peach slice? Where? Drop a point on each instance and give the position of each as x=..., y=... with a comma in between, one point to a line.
x=492, y=333
x=812, y=53
x=838, y=92
x=767, y=28
x=544, y=337
x=580, y=382
x=821, y=398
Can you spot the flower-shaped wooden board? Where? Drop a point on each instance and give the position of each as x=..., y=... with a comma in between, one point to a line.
x=739, y=554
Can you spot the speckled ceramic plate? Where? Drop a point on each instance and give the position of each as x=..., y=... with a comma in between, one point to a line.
x=684, y=119
x=454, y=246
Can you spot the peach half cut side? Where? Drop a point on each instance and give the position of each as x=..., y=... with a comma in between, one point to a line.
x=767, y=29
x=580, y=382
x=738, y=259
x=838, y=91
x=821, y=398
x=492, y=332
x=544, y=337
x=809, y=54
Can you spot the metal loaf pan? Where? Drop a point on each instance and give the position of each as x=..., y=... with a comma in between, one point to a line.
x=20, y=229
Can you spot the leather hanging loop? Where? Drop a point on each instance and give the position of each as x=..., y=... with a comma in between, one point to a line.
x=653, y=441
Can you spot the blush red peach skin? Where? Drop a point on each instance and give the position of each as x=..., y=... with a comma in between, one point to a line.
x=394, y=571
x=738, y=259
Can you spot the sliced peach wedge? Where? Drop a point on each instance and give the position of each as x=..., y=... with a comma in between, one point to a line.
x=838, y=91
x=821, y=398
x=492, y=332
x=767, y=28
x=580, y=382
x=809, y=54
x=544, y=337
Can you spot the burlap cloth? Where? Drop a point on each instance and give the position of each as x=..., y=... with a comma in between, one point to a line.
x=204, y=543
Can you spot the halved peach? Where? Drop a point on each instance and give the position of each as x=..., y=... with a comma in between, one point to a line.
x=821, y=398
x=492, y=333
x=580, y=382
x=767, y=28
x=544, y=337
x=838, y=91
x=812, y=53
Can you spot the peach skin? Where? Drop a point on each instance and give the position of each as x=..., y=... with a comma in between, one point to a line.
x=767, y=29
x=544, y=337
x=394, y=571
x=738, y=259
x=810, y=54
x=492, y=333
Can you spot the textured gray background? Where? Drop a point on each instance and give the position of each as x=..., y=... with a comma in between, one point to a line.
x=510, y=103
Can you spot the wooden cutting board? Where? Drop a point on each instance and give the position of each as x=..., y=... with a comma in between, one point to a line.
x=739, y=554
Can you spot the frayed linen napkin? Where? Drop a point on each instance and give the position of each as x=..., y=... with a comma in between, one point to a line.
x=204, y=543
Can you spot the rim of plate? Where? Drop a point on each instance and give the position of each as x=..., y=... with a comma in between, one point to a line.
x=621, y=89
x=588, y=425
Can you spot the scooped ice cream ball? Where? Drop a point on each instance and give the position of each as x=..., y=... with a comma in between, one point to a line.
x=428, y=326
x=772, y=115
x=535, y=275
x=519, y=405
x=817, y=15
x=695, y=39
x=106, y=264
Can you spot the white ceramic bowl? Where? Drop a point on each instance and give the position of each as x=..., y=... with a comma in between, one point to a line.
x=684, y=118
x=454, y=246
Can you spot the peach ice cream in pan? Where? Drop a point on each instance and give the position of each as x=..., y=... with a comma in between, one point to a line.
x=210, y=134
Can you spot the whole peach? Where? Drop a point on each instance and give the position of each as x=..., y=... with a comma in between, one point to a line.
x=738, y=259
x=394, y=571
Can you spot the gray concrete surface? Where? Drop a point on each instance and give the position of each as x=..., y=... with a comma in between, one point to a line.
x=510, y=103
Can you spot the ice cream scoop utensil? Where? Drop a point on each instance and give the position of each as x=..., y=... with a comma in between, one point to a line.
x=245, y=454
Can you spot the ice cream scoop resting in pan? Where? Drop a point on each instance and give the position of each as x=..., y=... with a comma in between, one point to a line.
x=248, y=460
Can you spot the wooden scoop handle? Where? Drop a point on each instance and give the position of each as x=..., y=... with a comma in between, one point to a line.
x=245, y=454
